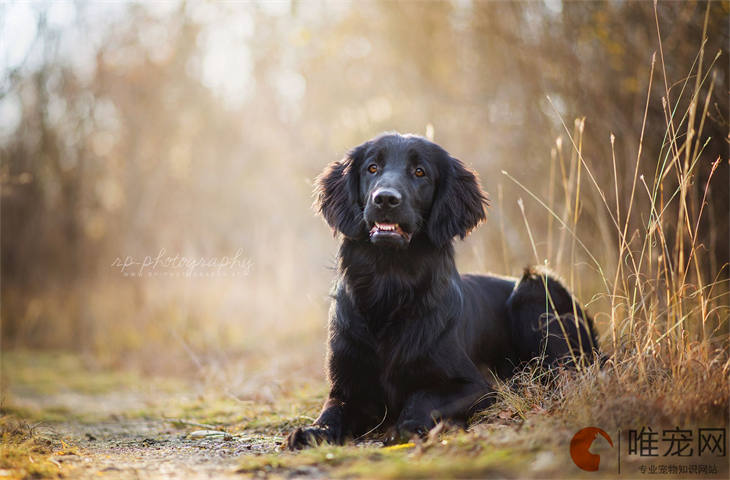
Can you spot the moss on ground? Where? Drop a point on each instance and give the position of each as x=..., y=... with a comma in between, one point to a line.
x=455, y=454
x=25, y=452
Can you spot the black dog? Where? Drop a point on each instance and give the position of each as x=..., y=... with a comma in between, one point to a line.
x=407, y=333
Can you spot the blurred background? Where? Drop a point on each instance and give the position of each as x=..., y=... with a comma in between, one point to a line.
x=194, y=130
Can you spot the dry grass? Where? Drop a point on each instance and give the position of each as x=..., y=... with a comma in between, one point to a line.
x=24, y=452
x=667, y=325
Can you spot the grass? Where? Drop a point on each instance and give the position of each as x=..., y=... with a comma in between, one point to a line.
x=50, y=376
x=46, y=377
x=54, y=372
x=275, y=419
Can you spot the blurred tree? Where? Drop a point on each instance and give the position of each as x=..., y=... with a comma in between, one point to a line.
x=198, y=128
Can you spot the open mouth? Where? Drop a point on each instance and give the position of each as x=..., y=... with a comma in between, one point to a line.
x=388, y=230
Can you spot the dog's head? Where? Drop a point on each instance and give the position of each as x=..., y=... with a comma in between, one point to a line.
x=395, y=187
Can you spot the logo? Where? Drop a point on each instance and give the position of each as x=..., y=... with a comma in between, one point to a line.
x=580, y=448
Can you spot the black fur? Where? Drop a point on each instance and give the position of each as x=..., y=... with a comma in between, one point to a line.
x=408, y=334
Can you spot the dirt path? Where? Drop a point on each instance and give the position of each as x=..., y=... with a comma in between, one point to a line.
x=109, y=425
x=150, y=449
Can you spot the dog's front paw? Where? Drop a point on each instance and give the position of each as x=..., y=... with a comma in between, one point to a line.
x=310, y=436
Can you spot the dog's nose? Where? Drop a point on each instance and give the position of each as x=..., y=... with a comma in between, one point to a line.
x=386, y=198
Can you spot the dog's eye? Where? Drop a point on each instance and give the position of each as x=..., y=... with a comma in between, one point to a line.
x=420, y=172
x=372, y=168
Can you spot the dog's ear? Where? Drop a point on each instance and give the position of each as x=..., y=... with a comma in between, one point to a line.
x=337, y=194
x=459, y=203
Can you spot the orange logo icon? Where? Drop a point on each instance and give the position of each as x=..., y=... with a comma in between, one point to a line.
x=580, y=446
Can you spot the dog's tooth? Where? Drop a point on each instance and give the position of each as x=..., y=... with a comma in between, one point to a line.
x=386, y=227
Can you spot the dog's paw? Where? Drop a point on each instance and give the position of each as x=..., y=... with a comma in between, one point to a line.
x=310, y=436
x=409, y=428
x=405, y=430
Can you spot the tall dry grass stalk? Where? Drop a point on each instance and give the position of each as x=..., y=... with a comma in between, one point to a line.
x=666, y=334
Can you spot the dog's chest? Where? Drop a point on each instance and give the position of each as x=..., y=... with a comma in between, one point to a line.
x=403, y=345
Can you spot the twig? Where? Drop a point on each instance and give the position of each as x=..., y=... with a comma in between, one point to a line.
x=192, y=424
